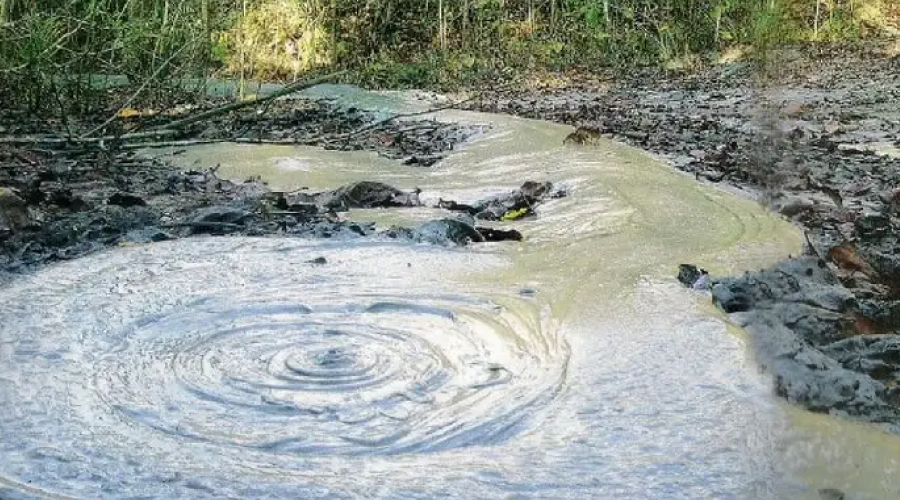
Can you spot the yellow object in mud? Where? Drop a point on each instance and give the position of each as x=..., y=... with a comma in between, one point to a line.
x=128, y=113
x=516, y=214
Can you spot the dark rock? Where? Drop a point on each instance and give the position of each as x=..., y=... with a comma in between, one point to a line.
x=219, y=220
x=126, y=200
x=525, y=198
x=148, y=235
x=688, y=274
x=364, y=194
x=454, y=206
x=447, y=231
x=399, y=233
x=491, y=234
x=222, y=214
x=423, y=160
x=795, y=312
x=318, y=261
x=831, y=494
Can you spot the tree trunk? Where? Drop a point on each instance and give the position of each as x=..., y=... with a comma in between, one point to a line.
x=816, y=20
x=442, y=27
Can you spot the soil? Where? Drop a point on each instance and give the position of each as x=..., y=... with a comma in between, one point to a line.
x=60, y=200
x=816, y=137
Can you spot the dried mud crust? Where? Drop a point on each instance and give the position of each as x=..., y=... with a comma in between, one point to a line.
x=818, y=141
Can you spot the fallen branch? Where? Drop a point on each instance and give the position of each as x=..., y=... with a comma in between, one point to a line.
x=221, y=110
x=56, y=140
x=168, y=144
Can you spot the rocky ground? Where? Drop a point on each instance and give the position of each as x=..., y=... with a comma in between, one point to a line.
x=817, y=138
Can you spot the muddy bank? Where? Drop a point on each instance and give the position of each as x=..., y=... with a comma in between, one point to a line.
x=818, y=140
x=60, y=201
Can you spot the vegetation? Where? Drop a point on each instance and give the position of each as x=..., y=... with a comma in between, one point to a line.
x=53, y=51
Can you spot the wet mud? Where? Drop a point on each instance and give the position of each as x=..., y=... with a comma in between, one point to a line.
x=818, y=141
x=60, y=201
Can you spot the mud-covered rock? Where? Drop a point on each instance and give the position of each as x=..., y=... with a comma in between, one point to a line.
x=493, y=234
x=513, y=205
x=821, y=384
x=796, y=312
x=366, y=194
x=447, y=232
x=522, y=200
x=875, y=355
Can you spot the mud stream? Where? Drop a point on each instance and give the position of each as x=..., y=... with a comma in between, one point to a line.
x=568, y=366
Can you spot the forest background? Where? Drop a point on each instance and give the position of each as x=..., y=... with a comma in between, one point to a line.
x=57, y=56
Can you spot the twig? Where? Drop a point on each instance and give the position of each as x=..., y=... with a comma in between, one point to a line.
x=220, y=110
x=55, y=140
x=812, y=247
x=167, y=144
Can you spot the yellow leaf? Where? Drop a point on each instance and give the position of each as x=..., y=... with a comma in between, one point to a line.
x=515, y=214
x=129, y=113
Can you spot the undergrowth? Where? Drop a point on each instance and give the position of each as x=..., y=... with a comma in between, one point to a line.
x=56, y=55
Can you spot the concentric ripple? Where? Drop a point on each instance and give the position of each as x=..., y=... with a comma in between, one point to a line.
x=245, y=348
x=344, y=375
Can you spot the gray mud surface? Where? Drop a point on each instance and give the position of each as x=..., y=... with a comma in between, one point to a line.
x=818, y=140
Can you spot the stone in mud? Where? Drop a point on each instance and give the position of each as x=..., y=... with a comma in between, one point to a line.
x=365, y=194
x=219, y=219
x=446, y=232
x=584, y=136
x=688, y=274
x=147, y=235
x=804, y=280
x=64, y=198
x=13, y=212
x=523, y=199
x=491, y=234
x=222, y=214
x=792, y=205
x=831, y=494
x=422, y=160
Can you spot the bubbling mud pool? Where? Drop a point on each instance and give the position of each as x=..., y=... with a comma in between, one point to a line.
x=566, y=366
